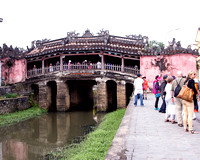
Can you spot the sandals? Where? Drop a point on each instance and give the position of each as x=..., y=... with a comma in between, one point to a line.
x=166, y=120
x=193, y=132
x=185, y=130
x=173, y=122
x=180, y=125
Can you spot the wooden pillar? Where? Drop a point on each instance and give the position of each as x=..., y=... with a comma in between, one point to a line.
x=102, y=60
x=42, y=65
x=121, y=94
x=63, y=97
x=122, y=67
x=101, y=95
x=61, y=61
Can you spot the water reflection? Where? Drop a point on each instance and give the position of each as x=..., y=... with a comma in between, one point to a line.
x=32, y=139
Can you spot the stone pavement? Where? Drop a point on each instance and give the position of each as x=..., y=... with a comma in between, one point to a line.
x=143, y=135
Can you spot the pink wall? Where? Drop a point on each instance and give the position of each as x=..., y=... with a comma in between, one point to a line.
x=150, y=66
x=14, y=149
x=16, y=73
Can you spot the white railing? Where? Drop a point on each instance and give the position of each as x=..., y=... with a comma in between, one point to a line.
x=111, y=67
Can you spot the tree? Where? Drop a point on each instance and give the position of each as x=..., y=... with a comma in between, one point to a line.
x=160, y=45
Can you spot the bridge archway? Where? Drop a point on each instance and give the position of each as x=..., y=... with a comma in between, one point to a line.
x=111, y=95
x=35, y=90
x=81, y=94
x=129, y=91
x=51, y=95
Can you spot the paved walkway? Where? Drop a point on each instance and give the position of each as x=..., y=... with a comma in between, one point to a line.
x=143, y=135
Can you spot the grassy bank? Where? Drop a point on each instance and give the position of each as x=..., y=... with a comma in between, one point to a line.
x=96, y=143
x=11, y=118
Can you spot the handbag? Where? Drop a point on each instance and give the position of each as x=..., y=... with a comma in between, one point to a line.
x=186, y=93
x=157, y=95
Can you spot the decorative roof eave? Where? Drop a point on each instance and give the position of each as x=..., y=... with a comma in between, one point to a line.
x=83, y=48
x=123, y=40
x=171, y=52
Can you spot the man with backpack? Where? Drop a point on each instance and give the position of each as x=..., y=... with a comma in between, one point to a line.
x=176, y=87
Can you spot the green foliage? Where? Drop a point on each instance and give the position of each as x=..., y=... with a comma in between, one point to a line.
x=31, y=100
x=96, y=144
x=11, y=95
x=11, y=118
x=157, y=44
x=18, y=88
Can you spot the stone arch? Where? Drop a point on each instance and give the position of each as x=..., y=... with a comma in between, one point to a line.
x=111, y=87
x=51, y=95
x=81, y=94
x=35, y=90
x=129, y=91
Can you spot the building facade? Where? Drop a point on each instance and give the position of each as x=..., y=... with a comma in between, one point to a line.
x=127, y=54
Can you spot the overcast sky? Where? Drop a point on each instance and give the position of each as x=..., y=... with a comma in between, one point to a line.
x=160, y=20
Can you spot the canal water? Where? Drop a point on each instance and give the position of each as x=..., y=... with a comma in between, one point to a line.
x=34, y=138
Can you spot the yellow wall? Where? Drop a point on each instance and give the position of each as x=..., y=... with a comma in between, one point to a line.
x=198, y=47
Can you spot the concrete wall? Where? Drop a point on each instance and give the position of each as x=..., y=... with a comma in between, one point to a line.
x=13, y=104
x=150, y=66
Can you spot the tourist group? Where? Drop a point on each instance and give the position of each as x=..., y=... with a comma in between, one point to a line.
x=180, y=96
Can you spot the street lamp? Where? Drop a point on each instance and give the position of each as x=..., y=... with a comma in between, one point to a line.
x=1, y=19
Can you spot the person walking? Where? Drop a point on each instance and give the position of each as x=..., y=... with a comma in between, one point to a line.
x=170, y=105
x=178, y=102
x=163, y=94
x=188, y=107
x=138, y=91
x=156, y=91
x=145, y=87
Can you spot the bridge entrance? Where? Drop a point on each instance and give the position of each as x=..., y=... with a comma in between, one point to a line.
x=81, y=94
x=112, y=95
x=35, y=90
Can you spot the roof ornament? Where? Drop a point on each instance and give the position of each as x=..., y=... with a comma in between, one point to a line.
x=189, y=47
x=40, y=42
x=10, y=51
x=145, y=39
x=103, y=32
x=173, y=45
x=87, y=34
x=139, y=37
x=32, y=46
x=72, y=35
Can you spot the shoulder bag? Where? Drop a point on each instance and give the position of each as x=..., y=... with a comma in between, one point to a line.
x=186, y=93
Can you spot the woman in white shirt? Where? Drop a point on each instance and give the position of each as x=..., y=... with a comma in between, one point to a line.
x=170, y=106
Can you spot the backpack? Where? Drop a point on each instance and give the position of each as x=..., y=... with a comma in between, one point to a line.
x=177, y=89
x=154, y=90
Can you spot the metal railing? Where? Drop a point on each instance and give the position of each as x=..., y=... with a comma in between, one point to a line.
x=72, y=67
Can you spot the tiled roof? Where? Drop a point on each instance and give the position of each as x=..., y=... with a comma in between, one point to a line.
x=137, y=45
